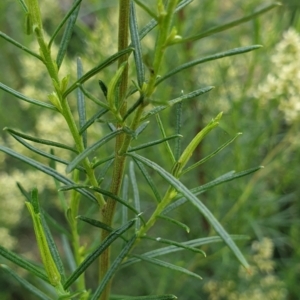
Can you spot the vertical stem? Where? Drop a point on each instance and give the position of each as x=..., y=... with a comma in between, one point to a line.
x=119, y=163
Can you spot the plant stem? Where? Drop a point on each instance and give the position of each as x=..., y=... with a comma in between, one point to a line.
x=119, y=163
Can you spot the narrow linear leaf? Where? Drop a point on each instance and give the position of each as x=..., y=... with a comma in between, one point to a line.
x=169, y=266
x=146, y=9
x=38, y=140
x=231, y=24
x=210, y=155
x=170, y=249
x=102, y=161
x=68, y=253
x=28, y=286
x=197, y=203
x=93, y=98
x=24, y=192
x=54, y=224
x=103, y=88
x=92, y=120
x=79, y=158
x=176, y=244
x=96, y=70
x=67, y=35
x=177, y=150
x=135, y=41
x=103, y=192
x=133, y=107
x=20, y=46
x=125, y=189
x=64, y=20
x=43, y=153
x=53, y=249
x=171, y=220
x=24, y=6
x=141, y=128
x=47, y=170
x=191, y=95
x=23, y=263
x=149, y=181
x=163, y=133
x=113, y=268
x=136, y=195
x=81, y=103
x=25, y=98
x=151, y=297
x=156, y=142
x=95, y=254
x=95, y=223
x=193, y=63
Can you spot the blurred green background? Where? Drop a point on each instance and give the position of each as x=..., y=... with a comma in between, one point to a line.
x=259, y=93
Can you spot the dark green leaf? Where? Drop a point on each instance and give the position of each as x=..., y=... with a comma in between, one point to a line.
x=28, y=286
x=72, y=165
x=202, y=60
x=135, y=41
x=164, y=264
x=95, y=254
x=185, y=227
x=150, y=144
x=231, y=24
x=20, y=46
x=43, y=153
x=25, y=98
x=113, y=268
x=23, y=263
x=93, y=119
x=136, y=195
x=67, y=34
x=93, y=98
x=149, y=181
x=62, y=23
x=96, y=70
x=81, y=103
x=152, y=297
x=177, y=185
x=95, y=223
x=38, y=140
x=191, y=95
x=24, y=6
x=47, y=170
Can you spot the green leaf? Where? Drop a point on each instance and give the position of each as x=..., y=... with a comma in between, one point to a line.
x=189, y=150
x=103, y=192
x=96, y=253
x=231, y=24
x=72, y=165
x=96, y=70
x=68, y=253
x=177, y=148
x=202, y=60
x=169, y=266
x=38, y=140
x=53, y=249
x=47, y=170
x=156, y=142
x=113, y=268
x=177, y=185
x=25, y=98
x=151, y=297
x=185, y=227
x=149, y=181
x=28, y=286
x=81, y=104
x=136, y=195
x=42, y=153
x=67, y=34
x=24, y=6
x=62, y=23
x=20, y=46
x=23, y=263
x=135, y=41
x=104, y=170
x=95, y=223
x=93, y=98
x=170, y=249
x=133, y=107
x=210, y=155
x=93, y=119
x=125, y=188
x=146, y=9
x=176, y=244
x=191, y=95
x=54, y=224
x=103, y=88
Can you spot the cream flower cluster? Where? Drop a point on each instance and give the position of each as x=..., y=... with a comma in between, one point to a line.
x=282, y=84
